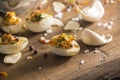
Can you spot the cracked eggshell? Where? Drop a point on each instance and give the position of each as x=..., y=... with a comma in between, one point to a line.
x=66, y=52
x=93, y=13
x=72, y=25
x=40, y=26
x=57, y=22
x=12, y=58
x=91, y=38
x=13, y=29
x=14, y=48
x=58, y=6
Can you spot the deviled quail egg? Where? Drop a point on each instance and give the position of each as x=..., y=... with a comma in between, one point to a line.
x=40, y=21
x=64, y=45
x=10, y=44
x=10, y=23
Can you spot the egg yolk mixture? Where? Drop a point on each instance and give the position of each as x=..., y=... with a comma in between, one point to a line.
x=62, y=41
x=37, y=16
x=10, y=19
x=7, y=39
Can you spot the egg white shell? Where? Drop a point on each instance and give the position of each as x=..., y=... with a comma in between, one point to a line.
x=58, y=6
x=12, y=58
x=57, y=22
x=66, y=52
x=92, y=38
x=94, y=13
x=13, y=48
x=72, y=25
x=40, y=26
x=13, y=29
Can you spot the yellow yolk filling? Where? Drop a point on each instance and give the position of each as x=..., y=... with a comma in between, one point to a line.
x=8, y=39
x=62, y=41
x=10, y=19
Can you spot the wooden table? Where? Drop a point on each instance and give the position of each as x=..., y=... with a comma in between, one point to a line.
x=55, y=67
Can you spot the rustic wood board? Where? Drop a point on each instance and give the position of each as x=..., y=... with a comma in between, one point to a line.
x=68, y=68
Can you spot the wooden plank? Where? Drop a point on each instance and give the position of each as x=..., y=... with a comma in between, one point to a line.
x=61, y=68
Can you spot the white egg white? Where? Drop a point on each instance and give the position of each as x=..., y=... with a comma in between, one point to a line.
x=66, y=52
x=14, y=48
x=13, y=29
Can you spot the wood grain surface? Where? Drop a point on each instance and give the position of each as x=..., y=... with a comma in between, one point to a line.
x=55, y=67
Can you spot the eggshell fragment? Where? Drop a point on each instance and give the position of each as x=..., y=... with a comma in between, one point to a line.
x=72, y=25
x=93, y=13
x=57, y=22
x=58, y=6
x=12, y=58
x=93, y=39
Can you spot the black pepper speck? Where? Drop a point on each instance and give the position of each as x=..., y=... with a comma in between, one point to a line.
x=45, y=55
x=31, y=48
x=35, y=51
